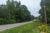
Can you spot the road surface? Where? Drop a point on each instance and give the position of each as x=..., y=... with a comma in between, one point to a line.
x=8, y=26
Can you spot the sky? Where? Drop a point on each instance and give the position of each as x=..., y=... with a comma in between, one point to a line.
x=32, y=5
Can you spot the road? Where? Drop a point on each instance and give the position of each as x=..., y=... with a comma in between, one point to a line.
x=8, y=26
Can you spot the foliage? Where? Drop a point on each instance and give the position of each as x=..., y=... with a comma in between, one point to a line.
x=13, y=12
x=1, y=20
x=47, y=8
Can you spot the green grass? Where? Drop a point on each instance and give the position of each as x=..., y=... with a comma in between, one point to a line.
x=27, y=28
x=22, y=29
x=48, y=29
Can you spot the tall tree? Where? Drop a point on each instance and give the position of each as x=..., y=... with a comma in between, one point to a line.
x=47, y=8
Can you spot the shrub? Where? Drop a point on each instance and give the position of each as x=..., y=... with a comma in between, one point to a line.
x=11, y=21
x=4, y=21
x=1, y=21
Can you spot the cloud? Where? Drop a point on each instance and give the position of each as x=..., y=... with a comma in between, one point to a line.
x=32, y=5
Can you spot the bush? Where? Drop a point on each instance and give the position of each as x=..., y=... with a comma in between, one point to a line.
x=1, y=21
x=11, y=21
x=5, y=21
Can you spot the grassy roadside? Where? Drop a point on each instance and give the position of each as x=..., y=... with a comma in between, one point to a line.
x=48, y=29
x=22, y=29
x=27, y=28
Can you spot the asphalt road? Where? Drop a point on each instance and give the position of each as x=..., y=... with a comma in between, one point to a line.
x=8, y=26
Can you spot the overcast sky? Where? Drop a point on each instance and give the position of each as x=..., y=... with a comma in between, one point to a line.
x=32, y=5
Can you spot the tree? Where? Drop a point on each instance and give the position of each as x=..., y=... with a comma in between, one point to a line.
x=47, y=4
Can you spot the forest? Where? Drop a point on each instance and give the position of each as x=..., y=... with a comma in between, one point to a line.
x=14, y=12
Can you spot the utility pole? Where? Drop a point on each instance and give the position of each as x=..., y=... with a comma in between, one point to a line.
x=45, y=14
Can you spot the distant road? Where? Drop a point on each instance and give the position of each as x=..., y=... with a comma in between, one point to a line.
x=8, y=26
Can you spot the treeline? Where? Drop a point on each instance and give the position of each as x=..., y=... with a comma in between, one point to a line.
x=14, y=12
x=47, y=9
